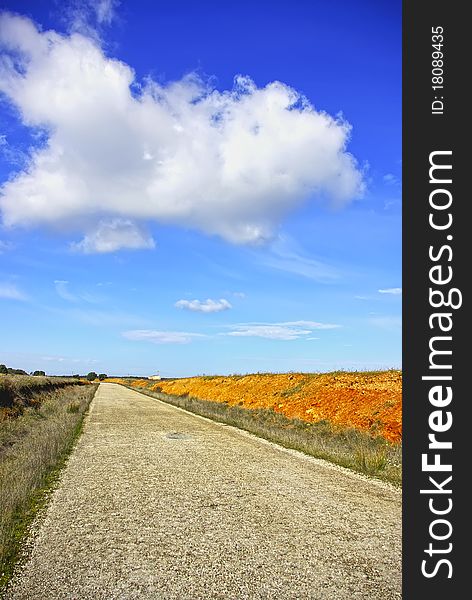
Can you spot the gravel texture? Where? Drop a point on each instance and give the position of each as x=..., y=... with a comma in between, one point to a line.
x=157, y=503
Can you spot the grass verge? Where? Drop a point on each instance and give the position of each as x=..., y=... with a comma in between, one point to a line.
x=348, y=447
x=33, y=448
x=18, y=392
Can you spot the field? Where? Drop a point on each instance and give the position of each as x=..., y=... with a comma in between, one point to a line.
x=351, y=419
x=40, y=417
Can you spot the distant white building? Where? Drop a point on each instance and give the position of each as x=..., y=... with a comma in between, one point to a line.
x=154, y=377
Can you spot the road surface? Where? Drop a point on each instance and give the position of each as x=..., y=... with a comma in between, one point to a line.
x=157, y=503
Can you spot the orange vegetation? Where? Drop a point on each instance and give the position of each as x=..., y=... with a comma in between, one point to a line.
x=368, y=401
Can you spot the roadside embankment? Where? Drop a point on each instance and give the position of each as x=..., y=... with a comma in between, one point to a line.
x=40, y=420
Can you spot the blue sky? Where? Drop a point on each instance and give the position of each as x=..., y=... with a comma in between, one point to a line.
x=205, y=187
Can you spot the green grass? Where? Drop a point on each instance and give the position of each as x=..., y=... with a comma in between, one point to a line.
x=33, y=448
x=348, y=447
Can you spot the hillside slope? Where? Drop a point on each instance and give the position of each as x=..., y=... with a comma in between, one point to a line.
x=369, y=401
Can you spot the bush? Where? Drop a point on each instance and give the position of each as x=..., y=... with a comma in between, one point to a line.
x=102, y=376
x=92, y=376
x=3, y=370
x=39, y=374
x=16, y=371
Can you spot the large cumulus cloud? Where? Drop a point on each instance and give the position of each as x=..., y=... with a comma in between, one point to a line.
x=230, y=163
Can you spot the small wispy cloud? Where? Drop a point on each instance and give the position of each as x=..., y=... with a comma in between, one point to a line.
x=394, y=291
x=285, y=255
x=62, y=289
x=68, y=359
x=207, y=306
x=392, y=203
x=9, y=291
x=89, y=16
x=5, y=246
x=105, y=10
x=391, y=179
x=272, y=332
x=161, y=337
x=113, y=235
x=312, y=324
x=289, y=330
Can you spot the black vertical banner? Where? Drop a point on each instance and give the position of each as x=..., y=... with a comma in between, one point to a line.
x=435, y=248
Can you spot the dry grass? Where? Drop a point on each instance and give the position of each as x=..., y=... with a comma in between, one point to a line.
x=18, y=392
x=370, y=401
x=32, y=448
x=346, y=446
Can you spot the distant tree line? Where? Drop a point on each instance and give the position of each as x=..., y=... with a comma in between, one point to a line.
x=4, y=370
x=92, y=376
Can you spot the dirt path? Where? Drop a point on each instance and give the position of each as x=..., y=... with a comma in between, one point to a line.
x=156, y=503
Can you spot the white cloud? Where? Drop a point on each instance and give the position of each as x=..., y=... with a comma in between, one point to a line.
x=5, y=246
x=392, y=203
x=391, y=179
x=88, y=16
x=290, y=330
x=393, y=291
x=272, y=332
x=114, y=235
x=54, y=358
x=62, y=289
x=105, y=10
x=9, y=291
x=312, y=324
x=207, y=306
x=229, y=163
x=285, y=254
x=67, y=359
x=161, y=337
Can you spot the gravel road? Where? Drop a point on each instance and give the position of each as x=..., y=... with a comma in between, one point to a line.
x=157, y=503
